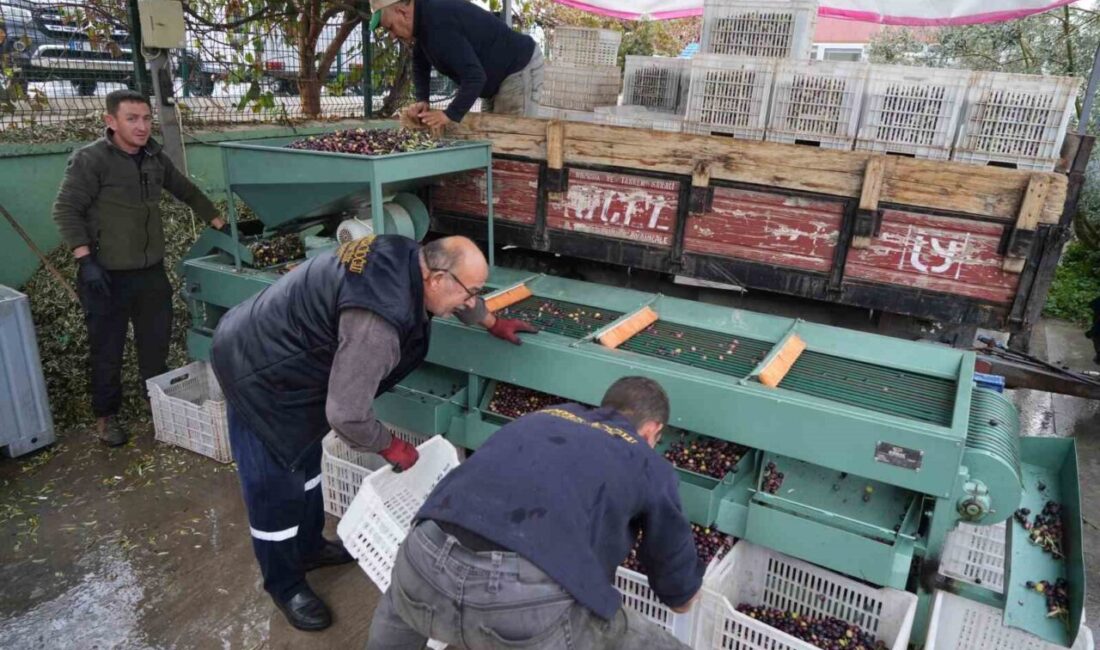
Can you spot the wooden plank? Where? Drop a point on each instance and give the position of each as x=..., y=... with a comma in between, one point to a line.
x=622, y=206
x=1031, y=207
x=943, y=254
x=700, y=176
x=873, y=179
x=775, y=229
x=515, y=192
x=929, y=184
x=555, y=145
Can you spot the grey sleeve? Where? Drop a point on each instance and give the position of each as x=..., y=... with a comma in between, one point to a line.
x=369, y=349
x=473, y=315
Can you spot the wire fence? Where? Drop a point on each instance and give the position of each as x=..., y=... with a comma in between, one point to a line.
x=59, y=61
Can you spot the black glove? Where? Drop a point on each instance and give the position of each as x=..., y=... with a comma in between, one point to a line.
x=93, y=277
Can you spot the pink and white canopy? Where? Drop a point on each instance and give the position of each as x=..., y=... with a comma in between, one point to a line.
x=889, y=12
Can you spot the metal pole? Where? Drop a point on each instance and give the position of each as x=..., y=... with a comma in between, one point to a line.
x=171, y=136
x=368, y=71
x=1090, y=94
x=141, y=83
x=508, y=13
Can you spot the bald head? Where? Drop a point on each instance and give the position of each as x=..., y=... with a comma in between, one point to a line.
x=454, y=270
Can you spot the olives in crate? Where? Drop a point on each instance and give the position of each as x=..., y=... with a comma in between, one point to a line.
x=703, y=455
x=825, y=632
x=369, y=142
x=709, y=544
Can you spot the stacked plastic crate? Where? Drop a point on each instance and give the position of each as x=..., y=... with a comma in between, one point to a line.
x=1015, y=120
x=817, y=103
x=731, y=81
x=583, y=70
x=912, y=111
x=654, y=94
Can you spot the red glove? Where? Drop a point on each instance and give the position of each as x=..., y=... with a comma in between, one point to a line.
x=506, y=328
x=400, y=454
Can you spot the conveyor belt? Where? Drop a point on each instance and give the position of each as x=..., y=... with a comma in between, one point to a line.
x=876, y=388
x=699, y=348
x=564, y=318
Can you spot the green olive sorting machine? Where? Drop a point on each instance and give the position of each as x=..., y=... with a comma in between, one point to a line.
x=886, y=445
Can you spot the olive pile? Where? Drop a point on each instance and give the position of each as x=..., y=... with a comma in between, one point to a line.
x=825, y=632
x=1046, y=530
x=773, y=479
x=276, y=250
x=369, y=142
x=1057, y=596
x=709, y=544
x=707, y=456
x=513, y=401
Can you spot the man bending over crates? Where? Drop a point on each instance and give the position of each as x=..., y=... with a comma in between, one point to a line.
x=518, y=546
x=470, y=46
x=311, y=352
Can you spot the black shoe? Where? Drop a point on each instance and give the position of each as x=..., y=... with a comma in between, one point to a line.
x=305, y=611
x=114, y=435
x=331, y=554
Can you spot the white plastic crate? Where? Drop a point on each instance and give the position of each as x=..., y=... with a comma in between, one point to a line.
x=762, y=577
x=976, y=555
x=342, y=472
x=961, y=624
x=1015, y=120
x=189, y=411
x=729, y=95
x=658, y=83
x=912, y=111
x=817, y=102
x=638, y=596
x=26, y=423
x=578, y=87
x=585, y=46
x=766, y=28
x=379, y=516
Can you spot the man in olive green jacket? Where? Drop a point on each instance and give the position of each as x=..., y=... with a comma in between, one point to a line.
x=108, y=213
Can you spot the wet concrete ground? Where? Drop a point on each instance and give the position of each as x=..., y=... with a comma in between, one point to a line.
x=147, y=546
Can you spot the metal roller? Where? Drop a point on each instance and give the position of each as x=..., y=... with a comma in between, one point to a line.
x=992, y=457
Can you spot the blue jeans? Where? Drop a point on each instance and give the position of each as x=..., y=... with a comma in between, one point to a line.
x=286, y=514
x=443, y=591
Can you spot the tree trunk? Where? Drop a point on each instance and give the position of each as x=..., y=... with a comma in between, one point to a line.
x=399, y=91
x=309, y=92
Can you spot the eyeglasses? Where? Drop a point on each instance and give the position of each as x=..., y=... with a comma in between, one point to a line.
x=472, y=293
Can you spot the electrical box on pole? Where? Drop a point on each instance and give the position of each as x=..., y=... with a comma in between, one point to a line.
x=162, y=23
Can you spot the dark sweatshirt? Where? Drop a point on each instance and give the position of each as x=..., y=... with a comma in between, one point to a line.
x=110, y=201
x=471, y=46
x=568, y=488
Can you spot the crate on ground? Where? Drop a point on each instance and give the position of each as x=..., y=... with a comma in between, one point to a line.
x=729, y=95
x=1015, y=120
x=585, y=46
x=189, y=411
x=758, y=576
x=976, y=555
x=579, y=87
x=342, y=472
x=658, y=83
x=780, y=29
x=379, y=516
x=912, y=111
x=817, y=102
x=564, y=114
x=961, y=624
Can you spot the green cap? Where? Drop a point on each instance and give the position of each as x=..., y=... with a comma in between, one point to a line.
x=375, y=20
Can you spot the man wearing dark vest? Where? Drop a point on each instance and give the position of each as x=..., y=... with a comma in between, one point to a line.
x=310, y=353
x=518, y=546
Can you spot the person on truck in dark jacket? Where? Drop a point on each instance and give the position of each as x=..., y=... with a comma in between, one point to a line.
x=518, y=546
x=108, y=214
x=310, y=353
x=470, y=46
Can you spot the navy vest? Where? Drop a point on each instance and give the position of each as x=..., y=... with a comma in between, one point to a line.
x=273, y=353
